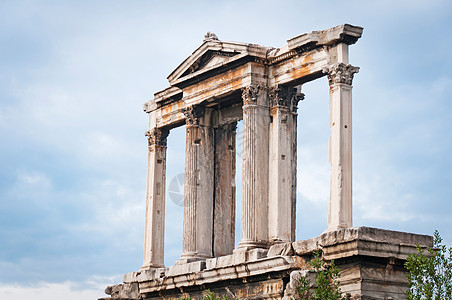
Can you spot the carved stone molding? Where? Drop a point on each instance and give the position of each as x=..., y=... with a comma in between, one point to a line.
x=279, y=95
x=250, y=93
x=297, y=97
x=157, y=136
x=341, y=73
x=193, y=114
x=285, y=96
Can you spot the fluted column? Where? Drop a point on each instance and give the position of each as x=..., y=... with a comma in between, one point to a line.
x=340, y=77
x=283, y=163
x=224, y=199
x=155, y=199
x=198, y=186
x=254, y=218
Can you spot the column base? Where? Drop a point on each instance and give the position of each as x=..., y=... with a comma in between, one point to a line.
x=188, y=258
x=336, y=227
x=151, y=266
x=248, y=245
x=278, y=241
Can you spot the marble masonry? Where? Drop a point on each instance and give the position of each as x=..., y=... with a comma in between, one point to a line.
x=222, y=83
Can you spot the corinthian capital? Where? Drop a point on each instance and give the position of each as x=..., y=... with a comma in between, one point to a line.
x=193, y=114
x=157, y=136
x=285, y=96
x=341, y=73
x=250, y=93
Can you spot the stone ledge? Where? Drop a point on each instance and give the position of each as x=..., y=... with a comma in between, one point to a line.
x=403, y=241
x=337, y=244
x=143, y=275
x=367, y=248
x=371, y=261
x=241, y=270
x=345, y=33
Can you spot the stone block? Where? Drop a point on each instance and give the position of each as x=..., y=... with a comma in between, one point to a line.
x=192, y=267
x=256, y=254
x=305, y=247
x=144, y=275
x=240, y=256
x=129, y=277
x=123, y=291
x=222, y=261
x=372, y=241
x=284, y=249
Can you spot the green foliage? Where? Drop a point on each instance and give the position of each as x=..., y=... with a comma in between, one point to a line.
x=211, y=296
x=326, y=286
x=208, y=295
x=430, y=274
x=303, y=287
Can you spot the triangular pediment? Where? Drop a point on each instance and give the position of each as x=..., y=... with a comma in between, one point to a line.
x=209, y=60
x=211, y=54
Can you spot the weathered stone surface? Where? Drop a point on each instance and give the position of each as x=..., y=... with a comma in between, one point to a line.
x=282, y=164
x=155, y=199
x=217, y=274
x=192, y=267
x=340, y=77
x=123, y=291
x=371, y=263
x=239, y=256
x=363, y=241
x=143, y=275
x=254, y=200
x=224, y=197
x=198, y=185
x=284, y=249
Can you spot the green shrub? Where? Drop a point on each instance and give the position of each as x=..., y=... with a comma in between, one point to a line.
x=326, y=285
x=430, y=273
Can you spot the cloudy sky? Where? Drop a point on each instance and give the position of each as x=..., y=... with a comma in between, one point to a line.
x=74, y=76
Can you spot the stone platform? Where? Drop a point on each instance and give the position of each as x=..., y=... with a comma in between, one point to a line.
x=371, y=262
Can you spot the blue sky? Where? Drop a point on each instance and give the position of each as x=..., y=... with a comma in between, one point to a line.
x=74, y=76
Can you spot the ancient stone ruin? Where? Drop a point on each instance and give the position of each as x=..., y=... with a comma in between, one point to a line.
x=218, y=85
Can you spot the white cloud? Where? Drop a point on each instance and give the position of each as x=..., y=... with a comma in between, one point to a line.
x=52, y=291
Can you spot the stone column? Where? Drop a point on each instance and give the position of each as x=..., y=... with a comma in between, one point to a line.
x=283, y=163
x=224, y=199
x=340, y=76
x=155, y=199
x=256, y=119
x=198, y=186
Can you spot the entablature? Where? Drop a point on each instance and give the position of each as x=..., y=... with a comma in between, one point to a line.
x=217, y=69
